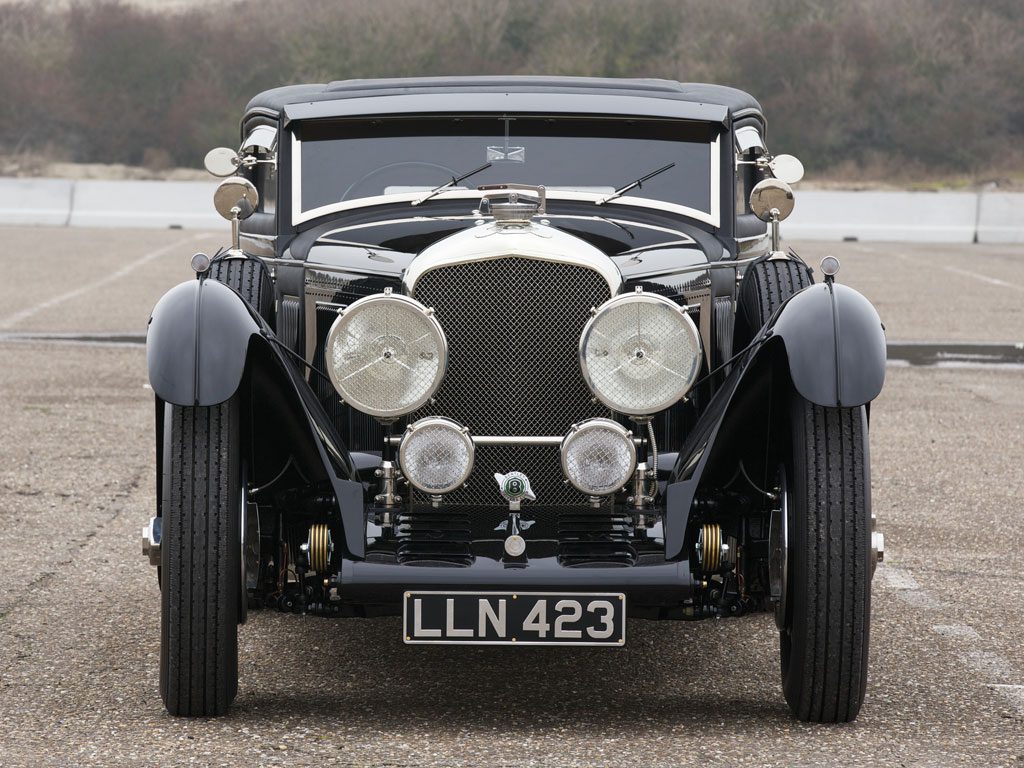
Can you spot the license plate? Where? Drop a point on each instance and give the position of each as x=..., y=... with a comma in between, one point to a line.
x=519, y=618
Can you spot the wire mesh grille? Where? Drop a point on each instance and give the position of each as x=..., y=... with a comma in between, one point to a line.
x=513, y=327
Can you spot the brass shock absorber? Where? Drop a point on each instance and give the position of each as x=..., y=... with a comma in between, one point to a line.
x=321, y=547
x=714, y=553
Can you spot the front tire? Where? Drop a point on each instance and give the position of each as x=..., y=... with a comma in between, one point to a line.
x=201, y=582
x=824, y=640
x=766, y=286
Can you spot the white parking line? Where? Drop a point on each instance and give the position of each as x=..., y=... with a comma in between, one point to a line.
x=1013, y=694
x=907, y=589
x=991, y=665
x=896, y=578
x=992, y=668
x=960, y=631
x=984, y=278
x=18, y=317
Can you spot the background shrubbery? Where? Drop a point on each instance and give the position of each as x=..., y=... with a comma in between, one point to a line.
x=907, y=87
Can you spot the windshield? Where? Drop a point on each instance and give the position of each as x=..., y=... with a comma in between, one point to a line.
x=345, y=163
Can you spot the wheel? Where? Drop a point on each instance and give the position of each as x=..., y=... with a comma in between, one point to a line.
x=250, y=278
x=201, y=568
x=825, y=618
x=766, y=286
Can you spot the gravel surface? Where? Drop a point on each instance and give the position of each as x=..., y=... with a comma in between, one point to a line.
x=79, y=606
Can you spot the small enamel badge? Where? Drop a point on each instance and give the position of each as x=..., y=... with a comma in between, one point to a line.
x=515, y=487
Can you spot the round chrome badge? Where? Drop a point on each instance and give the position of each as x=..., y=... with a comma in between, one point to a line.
x=515, y=545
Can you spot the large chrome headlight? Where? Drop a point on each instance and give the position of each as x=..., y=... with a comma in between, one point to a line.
x=386, y=355
x=640, y=353
x=436, y=455
x=598, y=456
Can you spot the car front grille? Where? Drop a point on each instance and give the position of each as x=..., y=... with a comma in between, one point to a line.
x=513, y=327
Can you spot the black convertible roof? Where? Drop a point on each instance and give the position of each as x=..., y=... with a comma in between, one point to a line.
x=741, y=105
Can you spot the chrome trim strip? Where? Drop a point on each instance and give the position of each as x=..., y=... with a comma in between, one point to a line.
x=508, y=439
x=552, y=217
x=656, y=246
x=716, y=182
x=296, y=169
x=592, y=197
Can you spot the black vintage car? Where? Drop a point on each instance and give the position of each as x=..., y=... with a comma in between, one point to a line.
x=521, y=360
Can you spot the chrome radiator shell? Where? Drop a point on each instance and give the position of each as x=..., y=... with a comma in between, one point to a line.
x=513, y=309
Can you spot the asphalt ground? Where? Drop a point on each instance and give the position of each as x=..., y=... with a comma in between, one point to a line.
x=79, y=606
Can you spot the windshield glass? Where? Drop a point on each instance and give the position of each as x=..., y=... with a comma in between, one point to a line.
x=354, y=159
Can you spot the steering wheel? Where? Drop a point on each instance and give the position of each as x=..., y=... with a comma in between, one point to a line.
x=399, y=164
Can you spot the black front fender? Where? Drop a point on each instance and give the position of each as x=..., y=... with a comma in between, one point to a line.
x=204, y=341
x=827, y=342
x=198, y=341
x=835, y=345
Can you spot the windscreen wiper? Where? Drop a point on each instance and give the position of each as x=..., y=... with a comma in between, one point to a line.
x=634, y=184
x=448, y=184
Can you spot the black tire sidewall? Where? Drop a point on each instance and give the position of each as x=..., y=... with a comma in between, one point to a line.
x=792, y=640
x=230, y=561
x=797, y=657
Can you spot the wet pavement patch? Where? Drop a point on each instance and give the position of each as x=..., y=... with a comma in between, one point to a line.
x=117, y=338
x=955, y=353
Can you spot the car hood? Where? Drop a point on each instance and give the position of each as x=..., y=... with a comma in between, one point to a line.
x=407, y=251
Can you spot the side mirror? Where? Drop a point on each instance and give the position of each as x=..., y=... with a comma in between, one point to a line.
x=786, y=168
x=222, y=161
x=236, y=198
x=771, y=200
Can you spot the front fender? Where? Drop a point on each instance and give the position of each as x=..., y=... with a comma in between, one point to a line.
x=835, y=345
x=197, y=343
x=832, y=342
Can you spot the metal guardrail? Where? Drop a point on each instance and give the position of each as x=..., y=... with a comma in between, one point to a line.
x=89, y=203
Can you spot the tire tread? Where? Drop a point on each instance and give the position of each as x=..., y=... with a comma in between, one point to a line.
x=199, y=640
x=828, y=683
x=766, y=285
x=249, y=278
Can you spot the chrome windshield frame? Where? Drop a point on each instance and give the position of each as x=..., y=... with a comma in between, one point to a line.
x=712, y=217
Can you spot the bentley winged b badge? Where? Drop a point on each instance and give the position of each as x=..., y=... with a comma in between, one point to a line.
x=515, y=487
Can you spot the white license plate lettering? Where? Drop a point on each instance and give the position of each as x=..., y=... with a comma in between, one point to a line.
x=528, y=618
x=569, y=612
x=537, y=620
x=605, y=611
